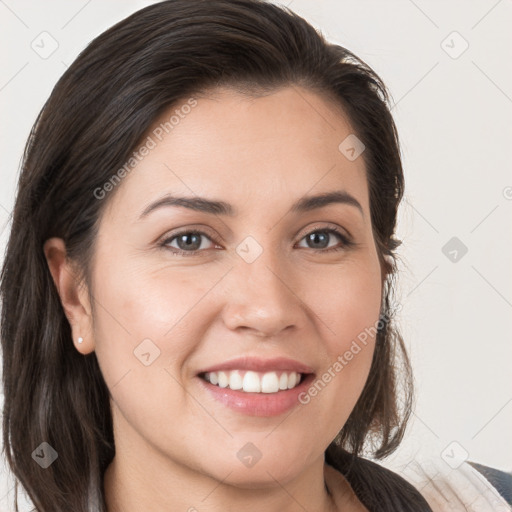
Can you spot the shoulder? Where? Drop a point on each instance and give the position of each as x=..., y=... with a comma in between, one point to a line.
x=500, y=480
x=459, y=487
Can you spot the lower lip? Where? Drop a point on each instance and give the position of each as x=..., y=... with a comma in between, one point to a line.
x=259, y=404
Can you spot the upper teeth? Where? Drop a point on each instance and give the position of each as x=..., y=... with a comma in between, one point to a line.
x=254, y=382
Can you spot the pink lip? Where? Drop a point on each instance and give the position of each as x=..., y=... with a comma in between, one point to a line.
x=259, y=404
x=259, y=365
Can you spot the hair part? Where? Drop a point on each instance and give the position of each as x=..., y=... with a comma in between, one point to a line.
x=96, y=115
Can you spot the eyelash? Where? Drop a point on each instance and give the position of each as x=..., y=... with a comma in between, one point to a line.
x=346, y=243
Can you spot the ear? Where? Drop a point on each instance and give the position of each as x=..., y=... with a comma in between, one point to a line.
x=387, y=267
x=73, y=294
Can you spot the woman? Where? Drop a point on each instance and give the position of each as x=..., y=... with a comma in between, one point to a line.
x=197, y=309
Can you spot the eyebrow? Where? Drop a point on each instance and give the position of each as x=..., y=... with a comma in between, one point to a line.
x=204, y=205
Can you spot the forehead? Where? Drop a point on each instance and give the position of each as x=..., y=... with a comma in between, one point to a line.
x=266, y=150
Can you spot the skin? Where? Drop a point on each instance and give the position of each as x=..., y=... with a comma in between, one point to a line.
x=176, y=446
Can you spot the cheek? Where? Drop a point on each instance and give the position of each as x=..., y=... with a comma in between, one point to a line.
x=346, y=301
x=131, y=317
x=138, y=302
x=347, y=307
x=145, y=328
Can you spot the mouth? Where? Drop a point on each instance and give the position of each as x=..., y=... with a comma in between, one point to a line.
x=260, y=394
x=254, y=382
x=257, y=387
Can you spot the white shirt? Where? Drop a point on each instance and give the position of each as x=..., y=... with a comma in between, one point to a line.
x=448, y=484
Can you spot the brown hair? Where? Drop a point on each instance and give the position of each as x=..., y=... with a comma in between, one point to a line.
x=96, y=115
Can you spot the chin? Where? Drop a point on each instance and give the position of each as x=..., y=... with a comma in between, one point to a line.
x=261, y=476
x=260, y=472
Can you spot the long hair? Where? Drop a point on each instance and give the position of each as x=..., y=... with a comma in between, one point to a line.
x=95, y=117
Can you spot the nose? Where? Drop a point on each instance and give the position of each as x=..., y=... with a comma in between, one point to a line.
x=261, y=297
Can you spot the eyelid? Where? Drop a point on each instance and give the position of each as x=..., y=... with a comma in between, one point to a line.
x=165, y=240
x=188, y=229
x=301, y=234
x=324, y=225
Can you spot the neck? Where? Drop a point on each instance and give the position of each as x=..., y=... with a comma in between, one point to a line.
x=131, y=484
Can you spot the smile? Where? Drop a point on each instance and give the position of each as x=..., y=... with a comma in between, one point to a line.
x=254, y=382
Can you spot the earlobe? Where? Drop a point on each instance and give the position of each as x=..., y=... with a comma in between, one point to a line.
x=71, y=292
x=388, y=259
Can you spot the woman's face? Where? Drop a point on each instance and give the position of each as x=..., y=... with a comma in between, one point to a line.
x=264, y=289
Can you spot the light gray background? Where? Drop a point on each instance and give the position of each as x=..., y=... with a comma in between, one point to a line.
x=454, y=115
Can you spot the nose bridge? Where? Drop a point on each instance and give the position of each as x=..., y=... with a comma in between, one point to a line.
x=261, y=291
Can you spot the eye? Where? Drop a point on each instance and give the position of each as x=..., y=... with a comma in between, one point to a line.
x=320, y=238
x=188, y=242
